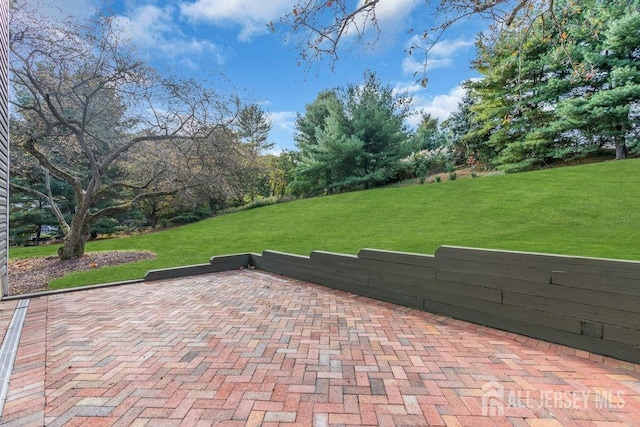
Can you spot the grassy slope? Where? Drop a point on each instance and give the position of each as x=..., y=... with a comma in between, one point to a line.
x=590, y=210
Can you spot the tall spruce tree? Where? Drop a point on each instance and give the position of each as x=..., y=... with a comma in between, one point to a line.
x=514, y=96
x=352, y=137
x=312, y=175
x=541, y=100
x=605, y=94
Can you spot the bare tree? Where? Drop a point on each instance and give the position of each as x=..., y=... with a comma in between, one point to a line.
x=82, y=101
x=322, y=26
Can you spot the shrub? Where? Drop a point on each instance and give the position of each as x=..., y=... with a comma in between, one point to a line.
x=430, y=162
x=259, y=202
x=187, y=217
x=106, y=225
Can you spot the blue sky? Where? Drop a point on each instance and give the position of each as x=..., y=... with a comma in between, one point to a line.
x=231, y=37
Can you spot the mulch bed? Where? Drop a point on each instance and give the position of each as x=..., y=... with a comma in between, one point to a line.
x=29, y=275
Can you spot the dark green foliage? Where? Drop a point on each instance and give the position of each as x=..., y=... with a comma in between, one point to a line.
x=187, y=217
x=351, y=138
x=25, y=225
x=554, y=91
x=601, y=104
x=106, y=225
x=428, y=135
x=29, y=213
x=510, y=100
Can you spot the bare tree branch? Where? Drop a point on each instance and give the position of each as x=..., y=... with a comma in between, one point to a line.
x=322, y=26
x=54, y=206
x=112, y=210
x=30, y=146
x=28, y=190
x=85, y=105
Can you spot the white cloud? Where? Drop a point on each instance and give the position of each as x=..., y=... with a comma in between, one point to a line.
x=410, y=87
x=440, y=54
x=393, y=9
x=282, y=131
x=390, y=13
x=251, y=15
x=151, y=28
x=448, y=48
x=411, y=66
x=439, y=106
x=283, y=120
x=274, y=151
x=390, y=16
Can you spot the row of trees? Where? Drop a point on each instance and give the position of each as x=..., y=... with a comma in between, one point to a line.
x=228, y=170
x=560, y=81
x=539, y=101
x=357, y=137
x=99, y=137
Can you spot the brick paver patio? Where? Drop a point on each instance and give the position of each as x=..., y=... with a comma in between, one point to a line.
x=249, y=348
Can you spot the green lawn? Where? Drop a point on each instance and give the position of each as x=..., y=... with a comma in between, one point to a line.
x=589, y=210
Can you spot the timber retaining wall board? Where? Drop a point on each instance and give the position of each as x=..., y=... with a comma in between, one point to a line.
x=216, y=264
x=587, y=303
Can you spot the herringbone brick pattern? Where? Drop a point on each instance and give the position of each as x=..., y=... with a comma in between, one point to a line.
x=248, y=348
x=25, y=400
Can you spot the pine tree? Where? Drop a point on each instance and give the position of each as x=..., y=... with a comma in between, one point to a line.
x=606, y=93
x=541, y=100
x=351, y=138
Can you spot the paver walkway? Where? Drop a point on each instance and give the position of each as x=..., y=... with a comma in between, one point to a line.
x=249, y=348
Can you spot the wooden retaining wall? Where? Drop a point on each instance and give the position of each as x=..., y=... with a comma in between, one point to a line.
x=585, y=303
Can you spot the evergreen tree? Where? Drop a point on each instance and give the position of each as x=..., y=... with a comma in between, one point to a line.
x=513, y=96
x=253, y=127
x=540, y=101
x=311, y=175
x=460, y=130
x=427, y=136
x=352, y=138
x=606, y=92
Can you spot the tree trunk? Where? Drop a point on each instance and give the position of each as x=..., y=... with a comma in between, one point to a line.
x=152, y=216
x=75, y=240
x=621, y=148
